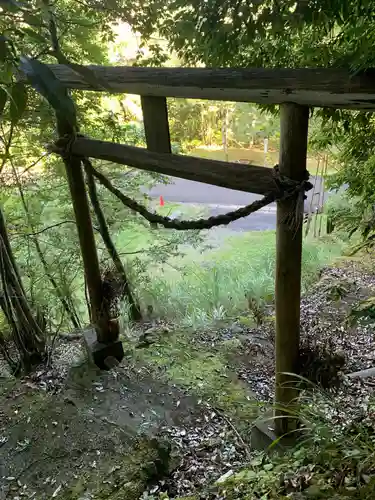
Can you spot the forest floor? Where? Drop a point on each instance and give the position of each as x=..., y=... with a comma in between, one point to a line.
x=176, y=416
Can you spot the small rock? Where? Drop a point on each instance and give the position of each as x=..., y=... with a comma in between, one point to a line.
x=225, y=476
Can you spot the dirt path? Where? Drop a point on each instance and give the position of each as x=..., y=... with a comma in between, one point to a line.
x=67, y=441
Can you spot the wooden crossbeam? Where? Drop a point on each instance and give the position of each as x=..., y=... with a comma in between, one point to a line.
x=322, y=87
x=249, y=178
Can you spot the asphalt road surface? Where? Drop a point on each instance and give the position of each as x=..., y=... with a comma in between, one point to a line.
x=221, y=200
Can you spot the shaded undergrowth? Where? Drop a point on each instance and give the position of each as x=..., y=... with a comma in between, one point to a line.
x=329, y=462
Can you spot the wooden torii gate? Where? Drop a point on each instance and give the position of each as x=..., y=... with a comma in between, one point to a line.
x=295, y=90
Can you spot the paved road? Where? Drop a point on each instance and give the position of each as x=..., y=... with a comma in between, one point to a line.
x=220, y=200
x=184, y=191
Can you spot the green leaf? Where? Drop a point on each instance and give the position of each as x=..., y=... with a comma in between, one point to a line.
x=45, y=82
x=35, y=35
x=32, y=20
x=3, y=100
x=18, y=101
x=268, y=467
x=6, y=72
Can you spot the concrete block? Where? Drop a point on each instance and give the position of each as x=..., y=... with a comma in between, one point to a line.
x=370, y=372
x=263, y=436
x=104, y=356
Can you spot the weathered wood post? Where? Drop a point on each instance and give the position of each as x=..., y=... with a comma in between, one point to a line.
x=155, y=120
x=77, y=188
x=102, y=343
x=292, y=163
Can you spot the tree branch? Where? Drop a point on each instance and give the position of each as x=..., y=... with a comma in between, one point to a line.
x=71, y=312
x=35, y=233
x=34, y=163
x=7, y=144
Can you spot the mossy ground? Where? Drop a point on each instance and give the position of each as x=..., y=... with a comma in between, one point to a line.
x=202, y=369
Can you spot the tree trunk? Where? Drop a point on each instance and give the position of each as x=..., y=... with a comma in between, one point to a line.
x=28, y=336
x=13, y=365
x=6, y=241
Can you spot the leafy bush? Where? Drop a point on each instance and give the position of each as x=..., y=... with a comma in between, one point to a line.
x=330, y=461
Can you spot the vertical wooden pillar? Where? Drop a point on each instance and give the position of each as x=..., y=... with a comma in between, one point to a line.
x=292, y=163
x=155, y=119
x=86, y=237
x=77, y=188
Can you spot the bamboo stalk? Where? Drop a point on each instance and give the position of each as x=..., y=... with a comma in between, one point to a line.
x=321, y=198
x=315, y=214
x=312, y=200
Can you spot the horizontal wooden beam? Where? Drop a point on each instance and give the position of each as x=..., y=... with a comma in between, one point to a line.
x=322, y=87
x=249, y=178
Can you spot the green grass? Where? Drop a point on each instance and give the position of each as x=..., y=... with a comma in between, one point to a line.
x=130, y=239
x=203, y=287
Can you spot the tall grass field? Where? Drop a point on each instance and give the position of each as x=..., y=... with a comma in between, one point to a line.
x=201, y=287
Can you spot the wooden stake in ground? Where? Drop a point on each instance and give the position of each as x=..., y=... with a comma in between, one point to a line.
x=321, y=197
x=292, y=163
x=313, y=192
x=98, y=310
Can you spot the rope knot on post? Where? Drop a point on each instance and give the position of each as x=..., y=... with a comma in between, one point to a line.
x=63, y=146
x=288, y=187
